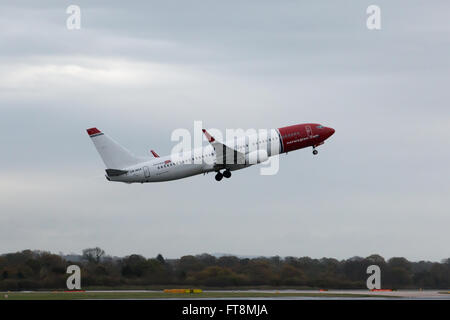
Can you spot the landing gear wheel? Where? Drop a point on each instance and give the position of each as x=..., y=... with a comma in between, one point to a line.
x=315, y=152
x=219, y=176
x=227, y=174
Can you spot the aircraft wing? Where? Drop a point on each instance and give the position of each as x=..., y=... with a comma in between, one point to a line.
x=225, y=156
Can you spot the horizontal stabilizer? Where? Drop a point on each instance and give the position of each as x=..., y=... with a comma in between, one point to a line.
x=115, y=172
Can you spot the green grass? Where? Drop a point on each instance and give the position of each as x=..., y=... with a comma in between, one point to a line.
x=158, y=295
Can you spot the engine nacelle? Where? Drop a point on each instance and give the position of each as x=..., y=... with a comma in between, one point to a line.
x=256, y=156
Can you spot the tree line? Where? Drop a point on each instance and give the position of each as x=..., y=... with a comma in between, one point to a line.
x=41, y=270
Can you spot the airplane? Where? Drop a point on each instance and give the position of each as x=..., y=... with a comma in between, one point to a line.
x=219, y=157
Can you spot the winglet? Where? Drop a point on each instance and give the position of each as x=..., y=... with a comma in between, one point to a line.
x=208, y=136
x=154, y=154
x=93, y=131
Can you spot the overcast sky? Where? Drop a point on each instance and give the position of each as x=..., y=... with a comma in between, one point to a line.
x=137, y=72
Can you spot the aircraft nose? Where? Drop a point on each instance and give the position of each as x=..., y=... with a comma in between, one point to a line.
x=331, y=132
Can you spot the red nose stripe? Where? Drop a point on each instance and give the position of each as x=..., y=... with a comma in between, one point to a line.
x=92, y=131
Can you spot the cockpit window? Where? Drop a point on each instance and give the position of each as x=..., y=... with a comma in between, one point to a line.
x=319, y=127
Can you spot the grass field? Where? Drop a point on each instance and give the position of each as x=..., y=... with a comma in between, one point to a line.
x=159, y=295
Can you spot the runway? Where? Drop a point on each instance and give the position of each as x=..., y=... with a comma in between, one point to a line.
x=318, y=295
x=401, y=294
x=230, y=295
